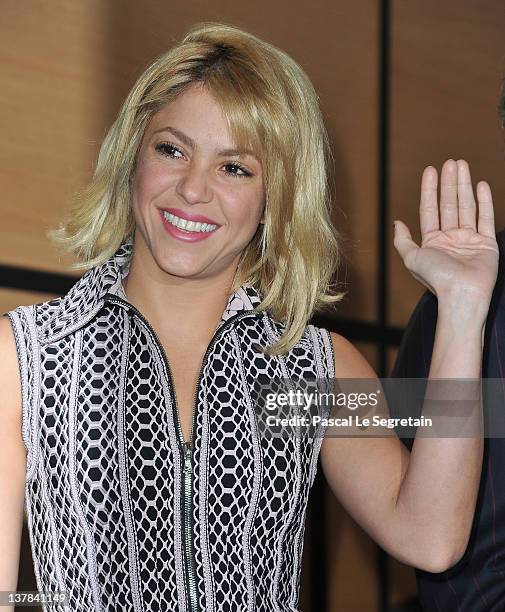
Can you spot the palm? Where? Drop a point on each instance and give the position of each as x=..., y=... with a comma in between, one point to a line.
x=455, y=254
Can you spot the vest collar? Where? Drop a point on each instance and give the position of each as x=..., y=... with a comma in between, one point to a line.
x=87, y=296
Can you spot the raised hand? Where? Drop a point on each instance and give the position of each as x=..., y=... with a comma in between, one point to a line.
x=458, y=258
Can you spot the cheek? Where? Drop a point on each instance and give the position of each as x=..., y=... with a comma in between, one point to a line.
x=150, y=182
x=245, y=209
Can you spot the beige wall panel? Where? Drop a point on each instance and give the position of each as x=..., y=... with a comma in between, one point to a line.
x=352, y=567
x=51, y=118
x=448, y=60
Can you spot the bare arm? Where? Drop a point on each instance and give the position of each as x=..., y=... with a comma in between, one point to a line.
x=419, y=506
x=12, y=460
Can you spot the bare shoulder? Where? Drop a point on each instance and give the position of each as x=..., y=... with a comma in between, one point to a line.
x=349, y=362
x=10, y=380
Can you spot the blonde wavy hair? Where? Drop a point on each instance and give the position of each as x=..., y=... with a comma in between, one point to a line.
x=272, y=108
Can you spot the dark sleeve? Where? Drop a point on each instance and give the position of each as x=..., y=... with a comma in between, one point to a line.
x=416, y=348
x=413, y=361
x=475, y=583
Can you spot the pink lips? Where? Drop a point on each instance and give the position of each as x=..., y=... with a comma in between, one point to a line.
x=182, y=234
x=189, y=216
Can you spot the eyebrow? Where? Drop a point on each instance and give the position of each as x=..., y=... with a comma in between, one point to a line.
x=189, y=142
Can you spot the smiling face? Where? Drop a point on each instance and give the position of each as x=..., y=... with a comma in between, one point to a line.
x=189, y=171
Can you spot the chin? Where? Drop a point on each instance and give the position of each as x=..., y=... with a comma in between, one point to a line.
x=182, y=270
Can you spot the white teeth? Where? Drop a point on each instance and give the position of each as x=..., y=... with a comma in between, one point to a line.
x=189, y=226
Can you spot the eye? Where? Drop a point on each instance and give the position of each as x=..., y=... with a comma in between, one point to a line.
x=236, y=166
x=234, y=169
x=168, y=149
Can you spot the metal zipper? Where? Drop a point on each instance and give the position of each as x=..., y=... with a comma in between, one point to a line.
x=186, y=447
x=188, y=530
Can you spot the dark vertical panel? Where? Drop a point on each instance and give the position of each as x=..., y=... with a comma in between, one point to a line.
x=383, y=230
x=382, y=241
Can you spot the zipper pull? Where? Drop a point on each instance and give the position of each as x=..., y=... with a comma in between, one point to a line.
x=187, y=455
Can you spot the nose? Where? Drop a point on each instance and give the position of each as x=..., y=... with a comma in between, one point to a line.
x=193, y=184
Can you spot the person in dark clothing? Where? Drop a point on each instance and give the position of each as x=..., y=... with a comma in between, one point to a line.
x=477, y=582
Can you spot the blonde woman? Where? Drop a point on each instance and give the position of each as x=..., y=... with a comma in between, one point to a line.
x=127, y=420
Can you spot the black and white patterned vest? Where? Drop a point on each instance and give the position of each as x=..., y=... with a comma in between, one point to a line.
x=121, y=515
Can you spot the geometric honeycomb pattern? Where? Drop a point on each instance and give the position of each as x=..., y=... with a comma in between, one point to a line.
x=96, y=455
x=104, y=470
x=150, y=473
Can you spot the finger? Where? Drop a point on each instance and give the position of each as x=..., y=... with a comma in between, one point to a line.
x=466, y=202
x=403, y=241
x=449, y=196
x=486, y=225
x=428, y=207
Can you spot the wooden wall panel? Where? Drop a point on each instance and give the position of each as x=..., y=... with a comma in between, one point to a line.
x=53, y=58
x=448, y=60
x=352, y=566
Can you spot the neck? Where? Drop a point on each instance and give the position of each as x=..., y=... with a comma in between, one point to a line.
x=174, y=305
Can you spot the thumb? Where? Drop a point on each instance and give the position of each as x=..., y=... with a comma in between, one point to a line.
x=403, y=240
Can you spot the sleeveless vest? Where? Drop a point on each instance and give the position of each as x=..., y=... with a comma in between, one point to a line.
x=122, y=515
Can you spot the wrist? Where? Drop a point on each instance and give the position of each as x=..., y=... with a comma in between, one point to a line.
x=464, y=305
x=460, y=318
